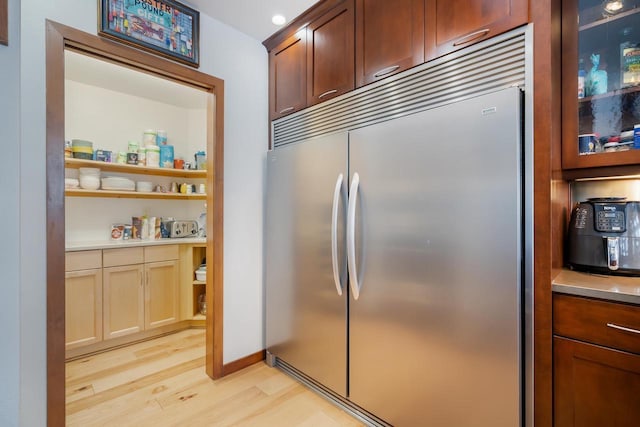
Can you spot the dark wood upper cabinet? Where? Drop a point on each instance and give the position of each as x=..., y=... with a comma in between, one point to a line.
x=600, y=101
x=454, y=24
x=288, y=76
x=389, y=38
x=330, y=54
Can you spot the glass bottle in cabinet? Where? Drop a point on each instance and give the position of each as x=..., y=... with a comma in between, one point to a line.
x=601, y=80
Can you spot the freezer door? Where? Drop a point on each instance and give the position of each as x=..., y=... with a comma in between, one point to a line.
x=435, y=332
x=306, y=317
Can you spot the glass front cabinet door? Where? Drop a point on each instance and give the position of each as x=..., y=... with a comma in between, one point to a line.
x=600, y=83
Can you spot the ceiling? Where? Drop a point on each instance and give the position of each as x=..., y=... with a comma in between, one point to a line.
x=252, y=17
x=95, y=72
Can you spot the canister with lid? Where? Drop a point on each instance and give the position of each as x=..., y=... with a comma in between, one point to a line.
x=161, y=137
x=166, y=156
x=153, y=156
x=629, y=58
x=142, y=156
x=149, y=137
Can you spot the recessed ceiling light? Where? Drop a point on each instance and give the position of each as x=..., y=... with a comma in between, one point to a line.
x=278, y=19
x=613, y=6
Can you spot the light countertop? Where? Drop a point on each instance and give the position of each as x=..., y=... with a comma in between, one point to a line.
x=609, y=287
x=114, y=244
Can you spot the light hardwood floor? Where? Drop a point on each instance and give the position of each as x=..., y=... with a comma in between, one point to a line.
x=162, y=383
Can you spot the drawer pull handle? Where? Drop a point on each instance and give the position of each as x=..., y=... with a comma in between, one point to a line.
x=286, y=110
x=622, y=328
x=471, y=37
x=327, y=93
x=386, y=71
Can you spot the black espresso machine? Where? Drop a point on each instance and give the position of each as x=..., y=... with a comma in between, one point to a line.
x=604, y=236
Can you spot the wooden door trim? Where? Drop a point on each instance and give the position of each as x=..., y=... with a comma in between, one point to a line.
x=4, y=22
x=550, y=196
x=58, y=38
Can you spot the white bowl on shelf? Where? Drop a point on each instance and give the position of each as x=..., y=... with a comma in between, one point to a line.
x=89, y=182
x=89, y=171
x=118, y=183
x=201, y=273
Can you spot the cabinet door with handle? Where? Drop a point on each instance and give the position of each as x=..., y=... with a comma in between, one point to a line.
x=330, y=54
x=389, y=38
x=288, y=76
x=454, y=24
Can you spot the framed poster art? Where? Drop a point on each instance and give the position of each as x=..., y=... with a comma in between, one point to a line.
x=164, y=27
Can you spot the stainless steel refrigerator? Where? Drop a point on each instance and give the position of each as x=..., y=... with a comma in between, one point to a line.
x=394, y=263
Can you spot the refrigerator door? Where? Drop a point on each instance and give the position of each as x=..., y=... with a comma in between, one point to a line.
x=306, y=303
x=435, y=331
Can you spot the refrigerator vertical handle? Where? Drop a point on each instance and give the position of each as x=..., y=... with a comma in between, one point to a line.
x=334, y=234
x=351, y=236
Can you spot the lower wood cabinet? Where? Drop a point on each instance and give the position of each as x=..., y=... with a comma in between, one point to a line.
x=124, y=300
x=595, y=386
x=83, y=314
x=161, y=293
x=596, y=359
x=111, y=293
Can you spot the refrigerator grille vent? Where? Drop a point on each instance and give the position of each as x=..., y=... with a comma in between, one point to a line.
x=489, y=66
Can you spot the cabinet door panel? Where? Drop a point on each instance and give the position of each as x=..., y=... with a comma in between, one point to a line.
x=454, y=24
x=389, y=38
x=597, y=321
x=161, y=293
x=161, y=253
x=122, y=256
x=83, y=260
x=595, y=386
x=288, y=76
x=83, y=307
x=330, y=57
x=123, y=300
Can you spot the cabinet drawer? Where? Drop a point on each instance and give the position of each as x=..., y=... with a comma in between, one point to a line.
x=125, y=256
x=160, y=253
x=597, y=322
x=83, y=260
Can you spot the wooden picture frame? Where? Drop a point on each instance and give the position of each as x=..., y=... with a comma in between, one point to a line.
x=164, y=27
x=4, y=22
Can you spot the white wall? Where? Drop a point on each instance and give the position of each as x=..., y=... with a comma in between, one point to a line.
x=110, y=119
x=10, y=214
x=242, y=63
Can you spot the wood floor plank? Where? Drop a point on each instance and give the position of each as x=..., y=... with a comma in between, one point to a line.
x=163, y=383
x=125, y=406
x=133, y=385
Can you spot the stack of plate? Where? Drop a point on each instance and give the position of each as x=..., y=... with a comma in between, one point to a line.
x=117, y=183
x=144, y=186
x=71, y=183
